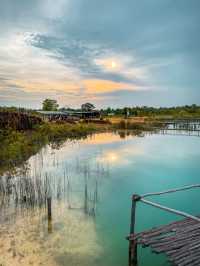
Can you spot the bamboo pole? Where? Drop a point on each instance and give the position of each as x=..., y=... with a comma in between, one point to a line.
x=133, y=242
x=181, y=213
x=170, y=191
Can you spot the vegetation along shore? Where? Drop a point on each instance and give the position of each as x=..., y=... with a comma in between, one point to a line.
x=23, y=132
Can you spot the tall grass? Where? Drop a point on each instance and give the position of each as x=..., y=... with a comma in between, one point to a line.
x=18, y=146
x=137, y=126
x=29, y=189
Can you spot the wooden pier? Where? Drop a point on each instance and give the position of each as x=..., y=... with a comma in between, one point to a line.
x=179, y=241
x=182, y=124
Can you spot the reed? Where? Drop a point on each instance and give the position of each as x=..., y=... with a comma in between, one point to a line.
x=38, y=189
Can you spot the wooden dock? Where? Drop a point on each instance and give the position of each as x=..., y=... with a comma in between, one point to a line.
x=181, y=124
x=179, y=241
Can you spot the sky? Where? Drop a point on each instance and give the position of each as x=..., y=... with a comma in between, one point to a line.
x=109, y=52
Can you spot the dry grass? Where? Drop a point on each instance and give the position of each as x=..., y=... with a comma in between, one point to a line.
x=118, y=119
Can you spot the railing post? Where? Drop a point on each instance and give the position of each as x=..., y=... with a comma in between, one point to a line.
x=132, y=241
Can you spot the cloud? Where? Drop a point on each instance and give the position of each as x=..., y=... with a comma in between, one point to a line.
x=104, y=86
x=121, y=155
x=44, y=71
x=33, y=68
x=92, y=60
x=121, y=64
x=105, y=51
x=54, y=11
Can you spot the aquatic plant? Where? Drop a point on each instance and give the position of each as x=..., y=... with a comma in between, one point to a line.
x=30, y=189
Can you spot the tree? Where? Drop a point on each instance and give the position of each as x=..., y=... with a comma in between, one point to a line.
x=49, y=105
x=87, y=107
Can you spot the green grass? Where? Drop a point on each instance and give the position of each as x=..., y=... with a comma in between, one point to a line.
x=18, y=146
x=56, y=131
x=144, y=126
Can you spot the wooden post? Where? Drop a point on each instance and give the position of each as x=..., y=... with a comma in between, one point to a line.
x=49, y=208
x=49, y=213
x=86, y=200
x=132, y=242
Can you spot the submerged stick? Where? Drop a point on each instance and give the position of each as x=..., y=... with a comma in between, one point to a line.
x=49, y=214
x=49, y=208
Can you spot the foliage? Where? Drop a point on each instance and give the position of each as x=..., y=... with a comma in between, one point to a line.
x=50, y=105
x=55, y=131
x=18, y=120
x=144, y=126
x=178, y=111
x=87, y=107
x=18, y=146
x=14, y=109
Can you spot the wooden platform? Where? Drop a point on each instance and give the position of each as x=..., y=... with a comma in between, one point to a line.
x=180, y=241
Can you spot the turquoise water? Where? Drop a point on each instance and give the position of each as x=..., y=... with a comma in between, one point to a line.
x=116, y=168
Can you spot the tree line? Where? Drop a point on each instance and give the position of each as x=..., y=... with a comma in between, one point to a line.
x=181, y=111
x=185, y=110
x=52, y=105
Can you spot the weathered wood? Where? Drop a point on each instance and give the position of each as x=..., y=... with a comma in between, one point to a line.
x=49, y=208
x=133, y=242
x=166, y=228
x=180, y=241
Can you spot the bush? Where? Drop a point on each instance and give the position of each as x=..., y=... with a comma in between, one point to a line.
x=18, y=121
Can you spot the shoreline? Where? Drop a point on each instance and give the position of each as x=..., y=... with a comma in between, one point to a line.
x=17, y=146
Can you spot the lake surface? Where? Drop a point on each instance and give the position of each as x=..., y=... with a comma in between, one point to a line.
x=91, y=182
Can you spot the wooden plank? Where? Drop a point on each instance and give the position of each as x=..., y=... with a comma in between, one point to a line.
x=180, y=241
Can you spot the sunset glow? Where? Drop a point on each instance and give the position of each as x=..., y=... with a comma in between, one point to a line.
x=113, y=64
x=73, y=52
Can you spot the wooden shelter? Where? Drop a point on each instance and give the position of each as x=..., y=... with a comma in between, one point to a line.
x=65, y=115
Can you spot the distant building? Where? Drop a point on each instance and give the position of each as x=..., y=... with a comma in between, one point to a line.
x=64, y=115
x=88, y=114
x=53, y=115
x=111, y=114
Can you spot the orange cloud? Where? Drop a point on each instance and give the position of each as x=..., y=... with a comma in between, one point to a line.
x=45, y=86
x=91, y=86
x=102, y=86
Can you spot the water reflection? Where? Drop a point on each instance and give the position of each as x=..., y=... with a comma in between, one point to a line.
x=27, y=241
x=90, y=183
x=77, y=184
x=28, y=235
